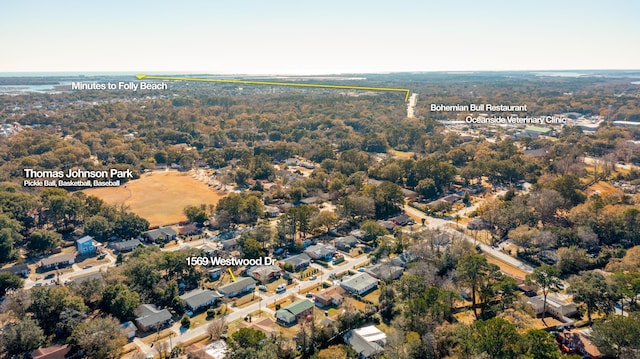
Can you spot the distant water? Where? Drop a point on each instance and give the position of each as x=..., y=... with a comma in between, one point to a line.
x=562, y=74
x=20, y=89
x=635, y=83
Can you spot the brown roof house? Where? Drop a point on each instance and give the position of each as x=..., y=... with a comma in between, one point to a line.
x=332, y=296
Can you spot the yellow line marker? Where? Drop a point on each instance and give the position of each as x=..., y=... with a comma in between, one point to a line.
x=232, y=276
x=272, y=83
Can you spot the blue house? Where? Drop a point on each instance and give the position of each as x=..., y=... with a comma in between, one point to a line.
x=85, y=245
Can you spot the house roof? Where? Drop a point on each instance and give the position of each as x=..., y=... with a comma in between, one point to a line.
x=553, y=302
x=295, y=308
x=149, y=315
x=333, y=292
x=16, y=269
x=320, y=250
x=56, y=351
x=164, y=231
x=238, y=286
x=126, y=245
x=57, y=259
x=311, y=200
x=263, y=271
x=362, y=340
x=199, y=297
x=297, y=259
x=81, y=278
x=385, y=271
x=348, y=240
x=537, y=129
x=85, y=239
x=359, y=281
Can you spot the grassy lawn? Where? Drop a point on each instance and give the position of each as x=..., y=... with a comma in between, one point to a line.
x=246, y=300
x=129, y=350
x=309, y=272
x=373, y=296
x=312, y=289
x=198, y=320
x=283, y=302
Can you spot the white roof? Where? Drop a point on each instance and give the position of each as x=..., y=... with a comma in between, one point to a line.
x=371, y=334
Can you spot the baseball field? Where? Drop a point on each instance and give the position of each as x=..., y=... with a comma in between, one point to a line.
x=160, y=196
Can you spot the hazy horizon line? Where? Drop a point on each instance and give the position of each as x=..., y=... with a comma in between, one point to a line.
x=206, y=73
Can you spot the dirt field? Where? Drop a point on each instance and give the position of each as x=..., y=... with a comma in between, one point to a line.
x=601, y=187
x=159, y=197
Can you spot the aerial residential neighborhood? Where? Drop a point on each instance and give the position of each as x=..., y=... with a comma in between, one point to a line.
x=319, y=180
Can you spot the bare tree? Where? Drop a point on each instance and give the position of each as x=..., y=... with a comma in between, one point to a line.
x=163, y=349
x=216, y=328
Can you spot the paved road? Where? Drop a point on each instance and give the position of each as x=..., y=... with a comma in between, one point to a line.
x=239, y=313
x=441, y=224
x=109, y=261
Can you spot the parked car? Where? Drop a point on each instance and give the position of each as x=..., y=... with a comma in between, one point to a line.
x=281, y=288
x=309, y=295
x=49, y=276
x=263, y=288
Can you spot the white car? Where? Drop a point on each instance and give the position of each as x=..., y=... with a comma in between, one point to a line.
x=281, y=288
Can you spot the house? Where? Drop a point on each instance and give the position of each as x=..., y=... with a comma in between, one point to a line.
x=332, y=296
x=55, y=351
x=189, y=229
x=264, y=273
x=162, y=234
x=452, y=198
x=200, y=298
x=346, y=243
x=128, y=329
x=151, y=318
x=85, y=245
x=18, y=269
x=548, y=256
x=409, y=194
x=535, y=131
x=265, y=325
x=81, y=278
x=229, y=244
x=272, y=211
x=401, y=220
x=478, y=224
x=243, y=286
x=283, y=207
x=311, y=200
x=293, y=312
x=556, y=306
x=321, y=252
x=574, y=342
x=58, y=261
x=126, y=246
x=368, y=341
x=215, y=273
x=387, y=224
x=359, y=283
x=385, y=271
x=402, y=259
x=298, y=262
x=539, y=152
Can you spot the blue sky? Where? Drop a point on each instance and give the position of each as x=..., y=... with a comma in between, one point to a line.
x=296, y=37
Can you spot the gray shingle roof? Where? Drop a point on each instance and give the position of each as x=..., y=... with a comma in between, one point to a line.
x=149, y=316
x=199, y=297
x=236, y=287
